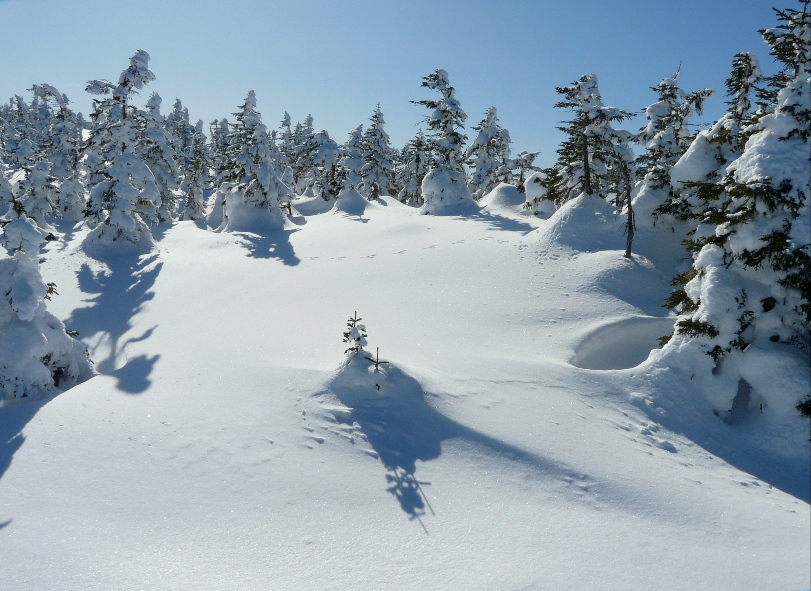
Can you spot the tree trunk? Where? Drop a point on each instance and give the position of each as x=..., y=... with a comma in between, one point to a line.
x=630, y=223
x=586, y=168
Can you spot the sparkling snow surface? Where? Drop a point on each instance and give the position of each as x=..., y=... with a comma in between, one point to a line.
x=224, y=447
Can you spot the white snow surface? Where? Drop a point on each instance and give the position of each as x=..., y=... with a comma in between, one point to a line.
x=224, y=444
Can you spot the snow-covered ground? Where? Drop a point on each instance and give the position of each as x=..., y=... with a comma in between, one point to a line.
x=517, y=439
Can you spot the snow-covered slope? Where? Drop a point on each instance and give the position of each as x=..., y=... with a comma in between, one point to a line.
x=517, y=438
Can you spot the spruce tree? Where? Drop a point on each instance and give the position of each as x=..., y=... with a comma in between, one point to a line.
x=198, y=177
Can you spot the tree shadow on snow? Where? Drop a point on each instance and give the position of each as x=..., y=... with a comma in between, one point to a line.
x=502, y=223
x=118, y=293
x=12, y=421
x=391, y=409
x=273, y=245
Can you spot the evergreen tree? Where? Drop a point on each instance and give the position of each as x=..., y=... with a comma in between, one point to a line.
x=220, y=132
x=417, y=160
x=38, y=357
x=303, y=152
x=445, y=187
x=123, y=192
x=180, y=132
x=198, y=177
x=37, y=193
x=255, y=196
x=690, y=180
x=585, y=155
x=352, y=161
x=325, y=172
x=378, y=170
x=488, y=155
x=155, y=149
x=750, y=284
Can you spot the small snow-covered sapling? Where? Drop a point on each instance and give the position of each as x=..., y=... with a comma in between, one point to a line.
x=355, y=335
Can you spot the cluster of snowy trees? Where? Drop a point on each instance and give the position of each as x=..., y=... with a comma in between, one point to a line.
x=736, y=193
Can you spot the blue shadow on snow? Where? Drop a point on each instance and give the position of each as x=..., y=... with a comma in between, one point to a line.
x=401, y=427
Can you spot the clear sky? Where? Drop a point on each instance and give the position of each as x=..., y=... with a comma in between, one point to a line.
x=337, y=59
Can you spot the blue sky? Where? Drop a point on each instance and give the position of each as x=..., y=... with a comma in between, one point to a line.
x=338, y=59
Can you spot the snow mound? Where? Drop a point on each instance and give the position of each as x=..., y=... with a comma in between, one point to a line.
x=351, y=202
x=445, y=193
x=308, y=206
x=247, y=217
x=504, y=196
x=622, y=344
x=586, y=223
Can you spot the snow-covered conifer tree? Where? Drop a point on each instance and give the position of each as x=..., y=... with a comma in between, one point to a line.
x=37, y=191
x=352, y=161
x=666, y=137
x=327, y=175
x=256, y=195
x=487, y=155
x=303, y=152
x=38, y=358
x=748, y=294
x=355, y=337
x=286, y=145
x=417, y=161
x=123, y=192
x=584, y=156
x=378, y=170
x=702, y=161
x=220, y=132
x=444, y=188
x=180, y=131
x=198, y=177
x=158, y=154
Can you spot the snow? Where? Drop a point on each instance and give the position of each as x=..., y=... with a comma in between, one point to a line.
x=226, y=444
